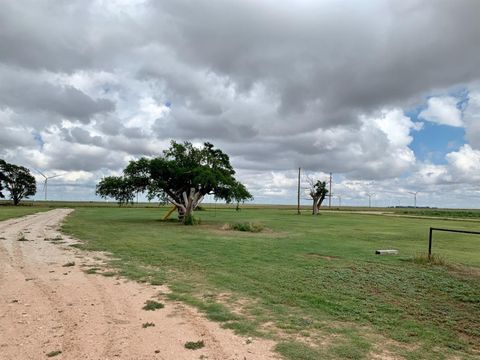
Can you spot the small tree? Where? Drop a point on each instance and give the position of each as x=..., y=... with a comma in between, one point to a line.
x=239, y=195
x=318, y=192
x=17, y=180
x=182, y=176
x=118, y=188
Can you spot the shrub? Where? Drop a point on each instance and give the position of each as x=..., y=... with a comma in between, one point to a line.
x=194, y=345
x=247, y=226
x=191, y=220
x=54, y=353
x=434, y=259
x=151, y=305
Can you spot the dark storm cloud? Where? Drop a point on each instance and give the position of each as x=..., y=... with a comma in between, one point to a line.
x=40, y=35
x=82, y=136
x=317, y=58
x=277, y=85
x=64, y=36
x=188, y=126
x=12, y=139
x=136, y=148
x=80, y=157
x=26, y=92
x=110, y=126
x=133, y=133
x=356, y=57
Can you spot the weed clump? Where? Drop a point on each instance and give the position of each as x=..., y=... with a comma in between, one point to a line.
x=151, y=305
x=147, y=324
x=109, y=273
x=191, y=220
x=54, y=353
x=92, y=270
x=246, y=227
x=433, y=259
x=194, y=345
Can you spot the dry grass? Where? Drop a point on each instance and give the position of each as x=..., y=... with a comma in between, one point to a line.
x=433, y=259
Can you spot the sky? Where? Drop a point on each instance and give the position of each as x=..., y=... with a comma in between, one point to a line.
x=385, y=95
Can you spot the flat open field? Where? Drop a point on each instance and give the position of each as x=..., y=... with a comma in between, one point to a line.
x=54, y=304
x=8, y=212
x=313, y=284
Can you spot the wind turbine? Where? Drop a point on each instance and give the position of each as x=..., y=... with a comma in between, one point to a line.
x=370, y=198
x=45, y=183
x=414, y=193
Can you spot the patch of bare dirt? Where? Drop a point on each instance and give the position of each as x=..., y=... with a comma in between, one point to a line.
x=226, y=230
x=313, y=255
x=48, y=305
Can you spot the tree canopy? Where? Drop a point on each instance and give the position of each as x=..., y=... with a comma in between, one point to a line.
x=182, y=176
x=17, y=180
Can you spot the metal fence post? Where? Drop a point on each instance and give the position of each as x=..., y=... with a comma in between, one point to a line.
x=447, y=230
x=430, y=244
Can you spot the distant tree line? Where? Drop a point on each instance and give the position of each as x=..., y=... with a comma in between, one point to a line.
x=17, y=181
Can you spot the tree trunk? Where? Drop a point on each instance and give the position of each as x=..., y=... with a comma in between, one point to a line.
x=191, y=201
x=187, y=205
x=188, y=210
x=320, y=201
x=181, y=213
x=315, y=206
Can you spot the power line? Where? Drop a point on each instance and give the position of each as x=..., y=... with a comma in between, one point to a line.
x=298, y=193
x=330, y=192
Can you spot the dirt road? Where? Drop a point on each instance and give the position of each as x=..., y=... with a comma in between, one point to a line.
x=49, y=310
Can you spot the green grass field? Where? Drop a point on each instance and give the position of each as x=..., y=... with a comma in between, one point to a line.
x=311, y=283
x=8, y=212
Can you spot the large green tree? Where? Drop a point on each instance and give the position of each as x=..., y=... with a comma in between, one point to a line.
x=182, y=176
x=17, y=180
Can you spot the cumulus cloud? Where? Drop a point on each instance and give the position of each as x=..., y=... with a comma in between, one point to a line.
x=86, y=86
x=465, y=163
x=443, y=111
x=472, y=119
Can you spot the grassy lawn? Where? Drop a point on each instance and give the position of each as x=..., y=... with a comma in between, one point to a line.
x=311, y=283
x=8, y=212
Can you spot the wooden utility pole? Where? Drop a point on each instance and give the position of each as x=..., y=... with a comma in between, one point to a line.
x=298, y=193
x=330, y=192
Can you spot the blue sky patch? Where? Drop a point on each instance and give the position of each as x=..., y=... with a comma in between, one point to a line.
x=434, y=141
